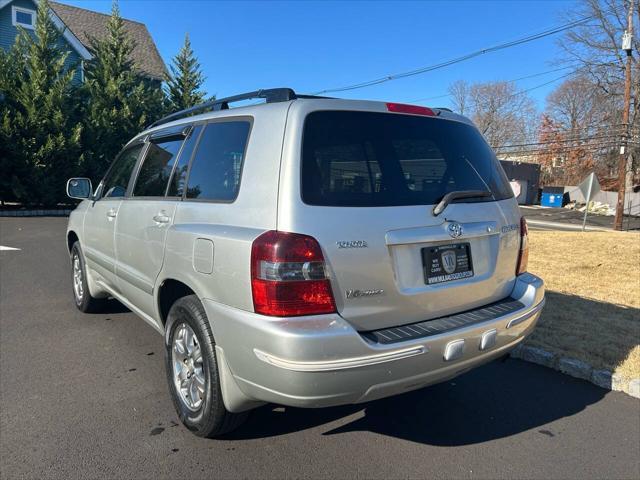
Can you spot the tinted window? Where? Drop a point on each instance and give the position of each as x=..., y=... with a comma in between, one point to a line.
x=216, y=166
x=24, y=18
x=156, y=168
x=117, y=179
x=380, y=159
x=176, y=187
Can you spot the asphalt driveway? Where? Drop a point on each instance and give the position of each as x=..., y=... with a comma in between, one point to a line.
x=563, y=219
x=84, y=396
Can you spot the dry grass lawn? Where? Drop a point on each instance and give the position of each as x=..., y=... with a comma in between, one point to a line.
x=593, y=297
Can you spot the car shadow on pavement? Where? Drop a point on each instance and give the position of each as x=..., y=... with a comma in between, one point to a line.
x=112, y=305
x=495, y=401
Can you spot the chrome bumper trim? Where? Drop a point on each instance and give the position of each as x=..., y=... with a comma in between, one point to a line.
x=342, y=363
x=521, y=318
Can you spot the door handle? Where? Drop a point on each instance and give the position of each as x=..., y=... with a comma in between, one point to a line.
x=161, y=218
x=111, y=213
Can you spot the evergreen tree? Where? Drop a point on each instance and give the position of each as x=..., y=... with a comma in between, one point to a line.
x=39, y=128
x=186, y=79
x=120, y=102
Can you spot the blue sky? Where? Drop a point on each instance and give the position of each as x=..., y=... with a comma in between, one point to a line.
x=311, y=46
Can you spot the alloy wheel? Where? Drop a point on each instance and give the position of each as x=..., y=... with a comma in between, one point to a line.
x=188, y=369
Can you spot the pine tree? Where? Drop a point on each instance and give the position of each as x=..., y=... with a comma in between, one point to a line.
x=39, y=127
x=185, y=82
x=120, y=102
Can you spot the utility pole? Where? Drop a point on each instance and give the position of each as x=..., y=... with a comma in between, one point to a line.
x=627, y=45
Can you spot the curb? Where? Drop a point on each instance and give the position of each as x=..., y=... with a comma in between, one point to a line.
x=36, y=213
x=578, y=369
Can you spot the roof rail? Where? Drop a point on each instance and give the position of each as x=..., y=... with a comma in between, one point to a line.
x=271, y=95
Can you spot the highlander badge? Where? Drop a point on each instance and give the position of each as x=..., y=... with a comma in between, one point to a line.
x=363, y=293
x=352, y=244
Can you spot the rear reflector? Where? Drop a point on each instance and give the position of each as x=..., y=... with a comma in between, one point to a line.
x=412, y=109
x=288, y=276
x=523, y=256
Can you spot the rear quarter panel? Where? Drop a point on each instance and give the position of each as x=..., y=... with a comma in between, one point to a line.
x=231, y=227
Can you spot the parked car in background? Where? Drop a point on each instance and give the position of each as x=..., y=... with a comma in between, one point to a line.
x=308, y=251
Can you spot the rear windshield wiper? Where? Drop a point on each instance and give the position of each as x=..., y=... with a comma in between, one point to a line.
x=451, y=196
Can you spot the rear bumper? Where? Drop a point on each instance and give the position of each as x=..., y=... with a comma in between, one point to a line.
x=323, y=361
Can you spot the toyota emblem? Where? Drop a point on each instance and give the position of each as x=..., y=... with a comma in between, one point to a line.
x=455, y=230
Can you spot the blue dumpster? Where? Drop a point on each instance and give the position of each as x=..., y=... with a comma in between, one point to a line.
x=552, y=197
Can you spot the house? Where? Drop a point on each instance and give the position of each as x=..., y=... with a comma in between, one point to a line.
x=78, y=26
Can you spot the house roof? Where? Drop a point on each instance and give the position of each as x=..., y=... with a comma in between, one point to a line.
x=85, y=24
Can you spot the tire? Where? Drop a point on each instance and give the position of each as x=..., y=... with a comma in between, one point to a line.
x=81, y=295
x=193, y=377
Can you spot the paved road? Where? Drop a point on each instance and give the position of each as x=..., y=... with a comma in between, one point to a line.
x=84, y=396
x=563, y=219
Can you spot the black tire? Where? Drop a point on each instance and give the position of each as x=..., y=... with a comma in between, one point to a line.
x=211, y=419
x=85, y=302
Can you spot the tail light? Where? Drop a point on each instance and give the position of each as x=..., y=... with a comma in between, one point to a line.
x=288, y=276
x=523, y=256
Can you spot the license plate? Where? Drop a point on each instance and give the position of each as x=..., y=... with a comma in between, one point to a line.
x=445, y=263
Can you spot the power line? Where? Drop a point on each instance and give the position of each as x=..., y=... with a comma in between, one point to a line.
x=544, y=148
x=513, y=43
x=482, y=104
x=557, y=142
x=592, y=148
x=595, y=129
x=539, y=74
x=580, y=134
x=542, y=84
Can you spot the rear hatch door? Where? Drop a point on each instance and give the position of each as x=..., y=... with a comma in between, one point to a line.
x=368, y=183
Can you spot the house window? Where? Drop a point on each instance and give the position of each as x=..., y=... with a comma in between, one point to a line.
x=23, y=17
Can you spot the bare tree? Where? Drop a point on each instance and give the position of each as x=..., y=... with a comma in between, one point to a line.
x=587, y=119
x=595, y=47
x=459, y=91
x=578, y=105
x=505, y=116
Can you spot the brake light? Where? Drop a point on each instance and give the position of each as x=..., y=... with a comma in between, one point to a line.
x=288, y=276
x=523, y=256
x=412, y=109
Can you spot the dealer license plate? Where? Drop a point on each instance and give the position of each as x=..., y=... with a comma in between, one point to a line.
x=445, y=263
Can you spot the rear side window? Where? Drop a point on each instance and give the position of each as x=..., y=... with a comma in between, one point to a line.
x=384, y=159
x=117, y=179
x=217, y=163
x=156, y=167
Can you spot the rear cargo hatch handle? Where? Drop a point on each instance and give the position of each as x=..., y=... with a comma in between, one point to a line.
x=451, y=196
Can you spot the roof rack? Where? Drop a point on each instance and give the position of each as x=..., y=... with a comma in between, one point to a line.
x=271, y=95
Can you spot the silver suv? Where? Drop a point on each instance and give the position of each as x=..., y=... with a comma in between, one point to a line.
x=307, y=251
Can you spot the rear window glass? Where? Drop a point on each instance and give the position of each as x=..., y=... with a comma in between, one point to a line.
x=383, y=159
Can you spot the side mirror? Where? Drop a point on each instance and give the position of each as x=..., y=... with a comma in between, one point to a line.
x=79, y=188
